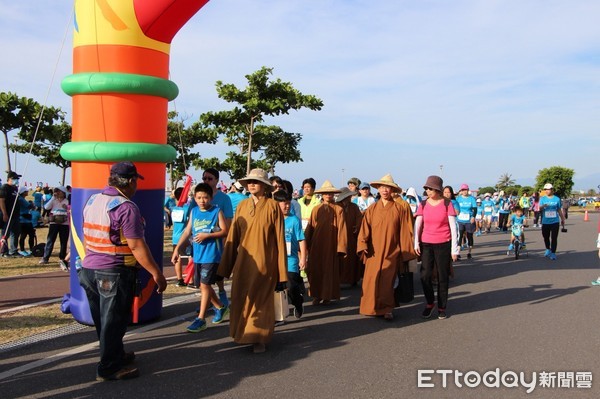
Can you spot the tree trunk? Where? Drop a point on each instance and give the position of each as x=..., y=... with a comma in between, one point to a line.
x=249, y=156
x=9, y=169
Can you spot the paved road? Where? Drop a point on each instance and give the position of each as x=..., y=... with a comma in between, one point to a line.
x=529, y=316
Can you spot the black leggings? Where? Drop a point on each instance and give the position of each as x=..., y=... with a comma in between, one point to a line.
x=27, y=230
x=550, y=234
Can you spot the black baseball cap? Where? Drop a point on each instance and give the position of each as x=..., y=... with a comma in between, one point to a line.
x=13, y=175
x=125, y=169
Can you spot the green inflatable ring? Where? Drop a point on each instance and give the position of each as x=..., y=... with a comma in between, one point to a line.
x=125, y=83
x=100, y=151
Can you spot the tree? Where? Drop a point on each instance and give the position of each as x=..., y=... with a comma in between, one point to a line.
x=561, y=179
x=488, y=189
x=242, y=125
x=46, y=146
x=23, y=115
x=526, y=189
x=183, y=140
x=505, y=181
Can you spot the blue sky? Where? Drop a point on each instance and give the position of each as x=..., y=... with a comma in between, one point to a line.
x=481, y=87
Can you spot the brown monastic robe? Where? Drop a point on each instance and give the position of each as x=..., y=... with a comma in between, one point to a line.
x=351, y=268
x=326, y=238
x=386, y=234
x=255, y=252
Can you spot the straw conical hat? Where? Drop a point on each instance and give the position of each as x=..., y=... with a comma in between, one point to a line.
x=386, y=180
x=258, y=175
x=327, y=188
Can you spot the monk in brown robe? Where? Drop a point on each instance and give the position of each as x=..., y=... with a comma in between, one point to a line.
x=255, y=252
x=350, y=266
x=385, y=241
x=326, y=240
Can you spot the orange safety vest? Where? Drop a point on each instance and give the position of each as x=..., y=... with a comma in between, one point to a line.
x=96, y=227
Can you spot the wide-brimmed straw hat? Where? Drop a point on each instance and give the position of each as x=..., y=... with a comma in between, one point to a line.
x=434, y=182
x=386, y=180
x=345, y=192
x=258, y=175
x=327, y=188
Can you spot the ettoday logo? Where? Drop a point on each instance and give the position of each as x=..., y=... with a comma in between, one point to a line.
x=473, y=379
x=508, y=379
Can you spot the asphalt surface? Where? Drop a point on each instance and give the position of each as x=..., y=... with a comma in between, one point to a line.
x=505, y=316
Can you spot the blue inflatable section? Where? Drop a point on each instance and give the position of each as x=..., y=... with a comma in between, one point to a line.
x=150, y=203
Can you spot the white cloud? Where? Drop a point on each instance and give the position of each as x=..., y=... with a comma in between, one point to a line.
x=443, y=78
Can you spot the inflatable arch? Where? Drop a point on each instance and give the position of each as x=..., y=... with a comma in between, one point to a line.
x=120, y=92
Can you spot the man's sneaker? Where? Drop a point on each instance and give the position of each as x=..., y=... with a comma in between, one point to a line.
x=223, y=298
x=128, y=358
x=43, y=261
x=197, y=325
x=547, y=253
x=511, y=247
x=180, y=283
x=63, y=265
x=125, y=373
x=220, y=314
x=552, y=256
x=596, y=282
x=427, y=312
x=441, y=314
x=298, y=311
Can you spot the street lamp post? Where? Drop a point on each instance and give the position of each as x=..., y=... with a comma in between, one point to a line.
x=15, y=152
x=343, y=178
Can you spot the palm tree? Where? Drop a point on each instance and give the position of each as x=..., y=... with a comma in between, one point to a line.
x=505, y=181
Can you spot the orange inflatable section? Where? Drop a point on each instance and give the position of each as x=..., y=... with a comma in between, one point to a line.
x=89, y=175
x=124, y=59
x=120, y=117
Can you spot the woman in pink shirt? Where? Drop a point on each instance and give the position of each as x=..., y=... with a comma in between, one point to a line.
x=436, y=242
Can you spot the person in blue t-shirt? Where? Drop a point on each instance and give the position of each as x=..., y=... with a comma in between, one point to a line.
x=467, y=208
x=518, y=220
x=488, y=210
x=296, y=251
x=180, y=217
x=27, y=229
x=211, y=177
x=236, y=195
x=552, y=216
x=170, y=202
x=206, y=227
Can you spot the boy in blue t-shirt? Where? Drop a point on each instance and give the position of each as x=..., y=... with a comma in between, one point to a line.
x=296, y=251
x=207, y=227
x=517, y=219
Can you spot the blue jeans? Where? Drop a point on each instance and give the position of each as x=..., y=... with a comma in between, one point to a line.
x=12, y=232
x=110, y=295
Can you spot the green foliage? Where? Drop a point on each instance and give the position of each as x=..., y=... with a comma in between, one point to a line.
x=561, y=178
x=242, y=126
x=505, y=181
x=25, y=116
x=526, y=189
x=488, y=189
x=183, y=140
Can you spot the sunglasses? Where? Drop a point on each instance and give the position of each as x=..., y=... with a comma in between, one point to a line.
x=207, y=179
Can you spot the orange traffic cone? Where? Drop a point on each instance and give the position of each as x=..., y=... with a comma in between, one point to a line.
x=586, y=217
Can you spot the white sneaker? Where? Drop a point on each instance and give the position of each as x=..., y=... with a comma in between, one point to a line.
x=63, y=265
x=43, y=261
